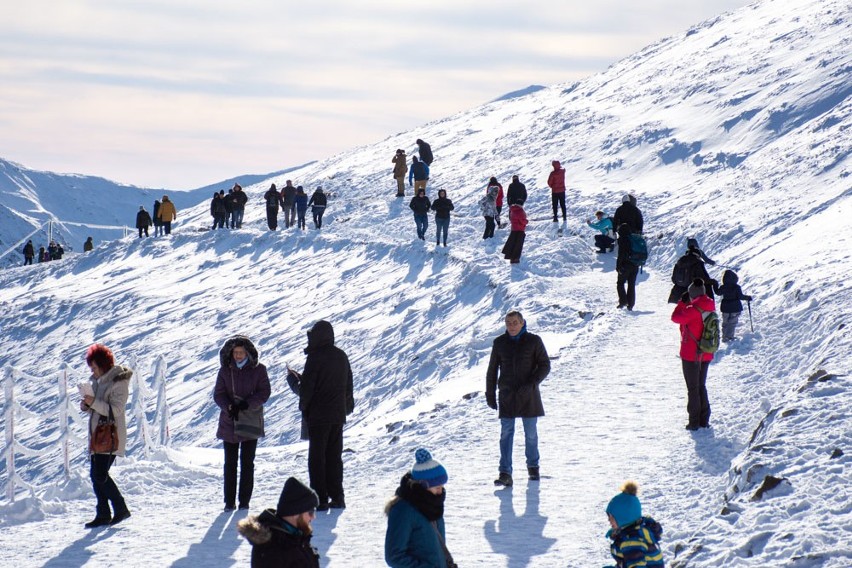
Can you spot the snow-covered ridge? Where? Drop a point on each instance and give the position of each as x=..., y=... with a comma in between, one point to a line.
x=687, y=125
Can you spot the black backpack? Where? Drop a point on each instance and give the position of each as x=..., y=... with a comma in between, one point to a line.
x=682, y=273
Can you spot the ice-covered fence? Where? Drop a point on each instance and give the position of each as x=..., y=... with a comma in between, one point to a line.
x=163, y=412
x=13, y=446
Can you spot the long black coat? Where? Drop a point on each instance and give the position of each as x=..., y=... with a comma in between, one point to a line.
x=630, y=214
x=696, y=270
x=326, y=389
x=521, y=366
x=516, y=194
x=143, y=219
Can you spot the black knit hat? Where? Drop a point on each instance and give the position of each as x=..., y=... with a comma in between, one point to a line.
x=296, y=498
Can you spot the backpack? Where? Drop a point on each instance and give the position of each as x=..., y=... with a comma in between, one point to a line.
x=638, y=252
x=709, y=340
x=682, y=273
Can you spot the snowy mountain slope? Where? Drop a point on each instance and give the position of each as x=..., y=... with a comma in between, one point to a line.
x=418, y=324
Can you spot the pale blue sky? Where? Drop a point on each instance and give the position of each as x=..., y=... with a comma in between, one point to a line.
x=182, y=93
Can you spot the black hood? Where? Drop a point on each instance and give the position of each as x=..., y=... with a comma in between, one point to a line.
x=730, y=277
x=321, y=335
x=238, y=341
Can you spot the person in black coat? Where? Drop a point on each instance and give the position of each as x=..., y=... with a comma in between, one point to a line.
x=518, y=364
x=731, y=305
x=317, y=203
x=627, y=271
x=282, y=536
x=29, y=253
x=421, y=205
x=687, y=268
x=158, y=225
x=325, y=399
x=425, y=151
x=273, y=200
x=516, y=194
x=442, y=207
x=628, y=213
x=143, y=221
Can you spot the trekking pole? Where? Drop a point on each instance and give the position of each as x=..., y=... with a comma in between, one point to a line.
x=751, y=323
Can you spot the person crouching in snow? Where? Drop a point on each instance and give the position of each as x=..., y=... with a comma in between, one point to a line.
x=635, y=539
x=605, y=240
x=282, y=536
x=415, y=534
x=515, y=243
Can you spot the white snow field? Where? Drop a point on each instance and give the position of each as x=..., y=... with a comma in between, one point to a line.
x=736, y=132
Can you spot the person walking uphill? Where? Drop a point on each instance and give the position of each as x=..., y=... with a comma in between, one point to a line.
x=288, y=203
x=442, y=207
x=282, y=536
x=242, y=388
x=155, y=217
x=29, y=252
x=687, y=268
x=425, y=151
x=732, y=305
x=143, y=221
x=167, y=214
x=635, y=539
x=628, y=213
x=419, y=172
x=110, y=387
x=415, y=535
x=273, y=201
x=627, y=271
x=317, y=204
x=326, y=399
x=400, y=168
x=689, y=314
x=556, y=183
x=420, y=204
x=518, y=365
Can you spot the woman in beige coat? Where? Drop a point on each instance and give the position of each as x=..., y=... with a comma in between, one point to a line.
x=110, y=385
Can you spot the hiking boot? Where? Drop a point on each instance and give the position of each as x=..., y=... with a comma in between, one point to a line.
x=339, y=503
x=533, y=473
x=118, y=517
x=503, y=479
x=98, y=522
x=691, y=428
x=322, y=507
x=244, y=506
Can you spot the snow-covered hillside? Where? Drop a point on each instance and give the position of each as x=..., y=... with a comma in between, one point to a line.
x=736, y=132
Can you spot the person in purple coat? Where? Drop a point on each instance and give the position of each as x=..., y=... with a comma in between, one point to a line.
x=242, y=385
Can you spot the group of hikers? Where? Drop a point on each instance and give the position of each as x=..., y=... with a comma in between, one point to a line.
x=227, y=209
x=54, y=251
x=164, y=213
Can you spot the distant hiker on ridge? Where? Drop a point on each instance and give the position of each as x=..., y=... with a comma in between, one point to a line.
x=273, y=200
x=300, y=202
x=318, y=203
x=239, y=207
x=556, y=183
x=288, y=204
x=143, y=221
x=155, y=217
x=167, y=214
x=425, y=151
x=29, y=253
x=400, y=168
x=419, y=172
x=518, y=365
x=218, y=210
x=88, y=245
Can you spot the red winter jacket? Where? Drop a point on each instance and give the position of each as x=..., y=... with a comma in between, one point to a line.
x=556, y=179
x=691, y=326
x=517, y=218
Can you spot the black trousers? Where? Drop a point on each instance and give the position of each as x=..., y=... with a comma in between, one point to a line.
x=514, y=245
x=489, y=228
x=318, y=217
x=604, y=242
x=245, y=451
x=106, y=491
x=28, y=260
x=272, y=218
x=143, y=230
x=167, y=227
x=697, y=404
x=627, y=276
x=325, y=460
x=558, y=198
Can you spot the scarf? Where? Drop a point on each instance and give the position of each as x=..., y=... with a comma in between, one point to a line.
x=430, y=505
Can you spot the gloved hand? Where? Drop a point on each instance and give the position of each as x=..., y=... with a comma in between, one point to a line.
x=242, y=405
x=747, y=298
x=491, y=401
x=684, y=297
x=233, y=411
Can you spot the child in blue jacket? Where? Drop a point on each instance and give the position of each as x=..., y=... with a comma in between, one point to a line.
x=732, y=306
x=635, y=539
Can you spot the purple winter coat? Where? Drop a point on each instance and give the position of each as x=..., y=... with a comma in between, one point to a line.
x=251, y=383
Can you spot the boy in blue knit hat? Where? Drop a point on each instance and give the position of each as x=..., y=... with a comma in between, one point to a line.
x=635, y=539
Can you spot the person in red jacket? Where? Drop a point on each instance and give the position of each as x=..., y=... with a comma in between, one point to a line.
x=515, y=243
x=689, y=314
x=556, y=183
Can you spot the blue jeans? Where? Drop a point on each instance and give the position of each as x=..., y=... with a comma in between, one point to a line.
x=422, y=222
x=442, y=225
x=507, y=435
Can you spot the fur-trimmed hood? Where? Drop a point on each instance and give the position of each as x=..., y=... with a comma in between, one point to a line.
x=256, y=529
x=238, y=341
x=115, y=374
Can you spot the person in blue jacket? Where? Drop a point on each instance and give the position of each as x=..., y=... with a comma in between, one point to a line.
x=732, y=306
x=606, y=239
x=419, y=172
x=415, y=536
x=635, y=539
x=301, y=202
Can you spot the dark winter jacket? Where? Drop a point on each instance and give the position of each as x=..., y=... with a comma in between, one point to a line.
x=318, y=201
x=275, y=543
x=420, y=205
x=251, y=383
x=326, y=389
x=691, y=320
x=622, y=261
x=156, y=213
x=442, y=207
x=556, y=179
x=240, y=200
x=228, y=200
x=88, y=245
x=516, y=194
x=217, y=206
x=630, y=214
x=419, y=171
x=425, y=151
x=288, y=195
x=731, y=293
x=693, y=268
x=522, y=364
x=637, y=545
x=273, y=198
x=411, y=540
x=143, y=219
x=301, y=202
x=29, y=250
